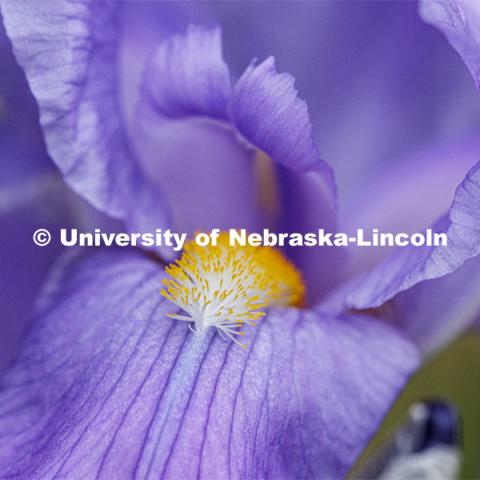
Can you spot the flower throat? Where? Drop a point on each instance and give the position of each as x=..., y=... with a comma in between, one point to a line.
x=226, y=286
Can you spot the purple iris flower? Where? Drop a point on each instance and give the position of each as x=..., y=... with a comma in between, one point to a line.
x=145, y=120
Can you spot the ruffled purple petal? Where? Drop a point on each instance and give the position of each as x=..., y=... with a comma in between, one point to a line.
x=459, y=20
x=198, y=141
x=267, y=112
x=121, y=390
x=68, y=51
x=411, y=265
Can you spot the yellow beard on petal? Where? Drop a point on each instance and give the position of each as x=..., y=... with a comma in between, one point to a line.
x=226, y=286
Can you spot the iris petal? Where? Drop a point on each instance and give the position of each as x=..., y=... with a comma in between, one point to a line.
x=266, y=110
x=197, y=139
x=120, y=389
x=68, y=51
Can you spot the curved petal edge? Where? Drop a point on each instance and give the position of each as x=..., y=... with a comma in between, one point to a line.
x=69, y=53
x=411, y=265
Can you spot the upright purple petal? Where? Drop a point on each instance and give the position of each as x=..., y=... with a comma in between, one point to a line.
x=409, y=266
x=198, y=140
x=459, y=20
x=121, y=390
x=183, y=139
x=69, y=53
x=266, y=110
